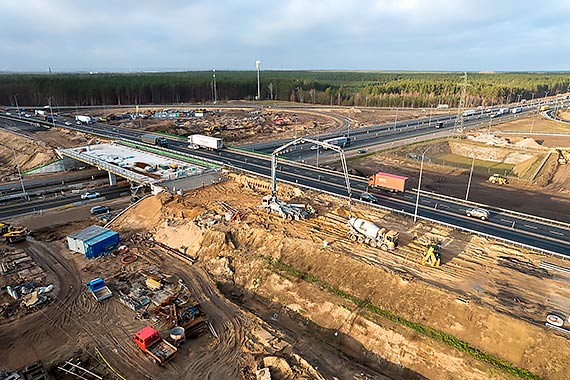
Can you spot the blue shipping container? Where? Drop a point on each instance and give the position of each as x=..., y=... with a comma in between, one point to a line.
x=94, y=241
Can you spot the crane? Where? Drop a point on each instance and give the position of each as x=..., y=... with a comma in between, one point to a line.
x=294, y=211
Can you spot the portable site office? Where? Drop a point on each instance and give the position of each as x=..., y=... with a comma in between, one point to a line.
x=93, y=241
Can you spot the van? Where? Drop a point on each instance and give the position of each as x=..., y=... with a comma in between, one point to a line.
x=96, y=210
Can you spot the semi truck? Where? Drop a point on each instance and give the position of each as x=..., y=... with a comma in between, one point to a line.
x=149, y=340
x=364, y=231
x=206, y=142
x=386, y=181
x=342, y=141
x=99, y=290
x=80, y=119
x=154, y=140
x=468, y=113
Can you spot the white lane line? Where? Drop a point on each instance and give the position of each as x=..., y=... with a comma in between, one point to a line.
x=533, y=227
x=556, y=233
x=443, y=206
x=506, y=220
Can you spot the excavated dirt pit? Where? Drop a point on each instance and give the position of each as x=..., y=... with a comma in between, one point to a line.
x=299, y=297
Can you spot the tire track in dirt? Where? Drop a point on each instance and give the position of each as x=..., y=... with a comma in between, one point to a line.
x=32, y=334
x=224, y=360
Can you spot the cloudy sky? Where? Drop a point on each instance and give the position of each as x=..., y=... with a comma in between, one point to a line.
x=129, y=35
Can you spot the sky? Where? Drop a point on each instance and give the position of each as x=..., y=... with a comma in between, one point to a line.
x=177, y=35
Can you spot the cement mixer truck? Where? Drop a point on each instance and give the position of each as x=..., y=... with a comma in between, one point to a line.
x=364, y=231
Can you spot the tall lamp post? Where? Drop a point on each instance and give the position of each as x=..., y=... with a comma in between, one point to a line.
x=470, y=175
x=420, y=184
x=257, y=66
x=215, y=89
x=17, y=106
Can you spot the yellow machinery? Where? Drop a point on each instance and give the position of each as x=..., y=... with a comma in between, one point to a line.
x=496, y=178
x=13, y=234
x=213, y=128
x=432, y=256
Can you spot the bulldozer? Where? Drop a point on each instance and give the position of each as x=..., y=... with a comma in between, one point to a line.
x=13, y=234
x=432, y=256
x=499, y=179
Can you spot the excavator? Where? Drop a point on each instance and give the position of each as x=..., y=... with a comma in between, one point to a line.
x=496, y=178
x=13, y=234
x=432, y=256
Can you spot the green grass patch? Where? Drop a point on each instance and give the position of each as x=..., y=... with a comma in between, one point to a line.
x=480, y=166
x=420, y=328
x=41, y=166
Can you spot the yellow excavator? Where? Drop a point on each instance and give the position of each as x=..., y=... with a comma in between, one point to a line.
x=13, y=234
x=432, y=256
x=496, y=178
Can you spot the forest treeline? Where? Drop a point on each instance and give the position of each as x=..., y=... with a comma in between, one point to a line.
x=345, y=88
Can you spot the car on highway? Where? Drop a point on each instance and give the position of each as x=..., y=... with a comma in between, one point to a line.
x=477, y=212
x=367, y=197
x=314, y=147
x=361, y=151
x=90, y=195
x=67, y=123
x=96, y=210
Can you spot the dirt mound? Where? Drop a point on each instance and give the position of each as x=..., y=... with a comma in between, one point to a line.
x=28, y=154
x=242, y=254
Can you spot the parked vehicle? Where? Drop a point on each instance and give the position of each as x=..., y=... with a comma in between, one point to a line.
x=89, y=195
x=367, y=197
x=496, y=178
x=361, y=151
x=364, y=231
x=206, y=142
x=154, y=140
x=96, y=210
x=149, y=340
x=479, y=213
x=99, y=290
x=390, y=182
x=544, y=108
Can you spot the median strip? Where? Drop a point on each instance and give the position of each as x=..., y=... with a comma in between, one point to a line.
x=280, y=267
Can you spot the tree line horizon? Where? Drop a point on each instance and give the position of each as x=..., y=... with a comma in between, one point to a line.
x=340, y=88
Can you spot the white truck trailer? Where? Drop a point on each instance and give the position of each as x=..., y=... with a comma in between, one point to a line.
x=206, y=142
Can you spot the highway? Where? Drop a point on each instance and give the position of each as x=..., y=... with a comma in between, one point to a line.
x=516, y=228
x=369, y=136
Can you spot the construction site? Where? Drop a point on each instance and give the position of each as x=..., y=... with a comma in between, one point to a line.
x=249, y=278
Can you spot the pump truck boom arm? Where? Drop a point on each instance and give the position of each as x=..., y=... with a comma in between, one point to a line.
x=302, y=140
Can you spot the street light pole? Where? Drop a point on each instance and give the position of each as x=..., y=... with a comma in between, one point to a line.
x=420, y=185
x=470, y=175
x=215, y=89
x=17, y=106
x=257, y=65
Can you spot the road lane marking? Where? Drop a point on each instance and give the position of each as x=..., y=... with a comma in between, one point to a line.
x=533, y=227
x=556, y=233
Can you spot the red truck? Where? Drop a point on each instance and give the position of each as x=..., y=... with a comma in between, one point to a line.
x=149, y=340
x=387, y=181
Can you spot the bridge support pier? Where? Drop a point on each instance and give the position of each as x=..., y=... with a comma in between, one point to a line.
x=112, y=179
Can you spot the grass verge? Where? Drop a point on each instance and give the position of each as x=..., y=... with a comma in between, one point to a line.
x=430, y=332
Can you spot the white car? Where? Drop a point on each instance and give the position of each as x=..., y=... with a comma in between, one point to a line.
x=90, y=195
x=67, y=123
x=480, y=213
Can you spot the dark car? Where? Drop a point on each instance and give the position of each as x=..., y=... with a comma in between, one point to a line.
x=367, y=197
x=96, y=210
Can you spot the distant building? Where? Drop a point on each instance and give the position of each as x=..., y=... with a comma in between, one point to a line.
x=93, y=241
